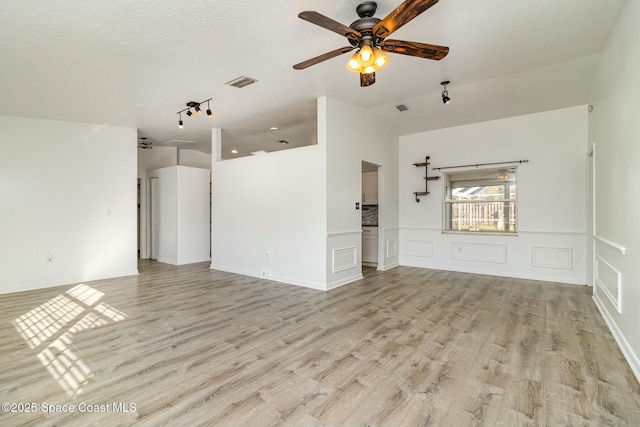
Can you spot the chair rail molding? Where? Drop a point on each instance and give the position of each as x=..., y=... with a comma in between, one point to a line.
x=620, y=248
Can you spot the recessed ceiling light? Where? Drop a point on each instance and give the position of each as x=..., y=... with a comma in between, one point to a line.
x=274, y=128
x=234, y=151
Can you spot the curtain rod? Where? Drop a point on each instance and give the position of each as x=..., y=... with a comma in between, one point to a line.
x=481, y=164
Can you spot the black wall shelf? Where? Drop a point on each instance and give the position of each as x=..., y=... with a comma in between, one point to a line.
x=427, y=178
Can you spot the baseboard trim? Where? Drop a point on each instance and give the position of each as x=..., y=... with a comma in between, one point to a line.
x=389, y=266
x=272, y=278
x=11, y=289
x=623, y=344
x=344, y=281
x=581, y=282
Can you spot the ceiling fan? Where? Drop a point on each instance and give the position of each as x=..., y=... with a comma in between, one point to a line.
x=368, y=35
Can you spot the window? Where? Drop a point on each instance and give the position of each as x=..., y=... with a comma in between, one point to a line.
x=481, y=200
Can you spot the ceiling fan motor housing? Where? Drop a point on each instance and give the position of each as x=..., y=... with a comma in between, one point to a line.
x=365, y=24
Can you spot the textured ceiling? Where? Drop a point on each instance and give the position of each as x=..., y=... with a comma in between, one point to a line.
x=137, y=63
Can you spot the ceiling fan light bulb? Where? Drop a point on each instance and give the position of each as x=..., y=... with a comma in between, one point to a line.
x=365, y=56
x=353, y=65
x=370, y=69
x=381, y=59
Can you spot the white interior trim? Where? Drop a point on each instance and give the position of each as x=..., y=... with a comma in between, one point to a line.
x=620, y=248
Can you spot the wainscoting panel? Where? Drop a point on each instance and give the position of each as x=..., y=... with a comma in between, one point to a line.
x=420, y=248
x=344, y=259
x=479, y=252
x=609, y=280
x=549, y=256
x=392, y=248
x=552, y=257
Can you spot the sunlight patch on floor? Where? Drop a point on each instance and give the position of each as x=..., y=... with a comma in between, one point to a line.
x=51, y=320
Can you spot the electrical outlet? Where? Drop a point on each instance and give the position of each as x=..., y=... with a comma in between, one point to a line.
x=264, y=273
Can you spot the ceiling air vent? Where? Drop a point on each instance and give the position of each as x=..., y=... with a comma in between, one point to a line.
x=241, y=81
x=402, y=107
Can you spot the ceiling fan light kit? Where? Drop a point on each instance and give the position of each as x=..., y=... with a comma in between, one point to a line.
x=196, y=107
x=368, y=36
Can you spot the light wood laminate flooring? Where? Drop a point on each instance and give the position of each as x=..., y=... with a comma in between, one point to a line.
x=187, y=346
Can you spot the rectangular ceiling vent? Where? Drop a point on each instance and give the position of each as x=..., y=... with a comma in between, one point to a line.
x=402, y=107
x=241, y=81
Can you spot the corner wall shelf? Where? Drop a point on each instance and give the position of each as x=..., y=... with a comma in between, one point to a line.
x=427, y=178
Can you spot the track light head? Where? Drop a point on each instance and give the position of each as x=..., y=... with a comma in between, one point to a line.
x=445, y=93
x=198, y=110
x=209, y=114
x=180, y=124
x=189, y=114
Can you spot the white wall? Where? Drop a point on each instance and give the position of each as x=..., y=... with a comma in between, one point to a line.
x=194, y=158
x=193, y=214
x=69, y=190
x=551, y=242
x=269, y=215
x=162, y=157
x=166, y=202
x=156, y=158
x=183, y=207
x=351, y=136
x=614, y=129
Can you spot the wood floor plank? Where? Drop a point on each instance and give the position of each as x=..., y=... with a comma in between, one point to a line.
x=407, y=347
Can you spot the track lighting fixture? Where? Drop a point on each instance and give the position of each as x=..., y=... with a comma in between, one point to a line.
x=209, y=113
x=445, y=92
x=196, y=107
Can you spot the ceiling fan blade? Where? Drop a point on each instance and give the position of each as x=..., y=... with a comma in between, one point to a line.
x=421, y=50
x=401, y=15
x=330, y=24
x=323, y=57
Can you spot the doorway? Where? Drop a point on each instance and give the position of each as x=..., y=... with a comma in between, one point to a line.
x=370, y=215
